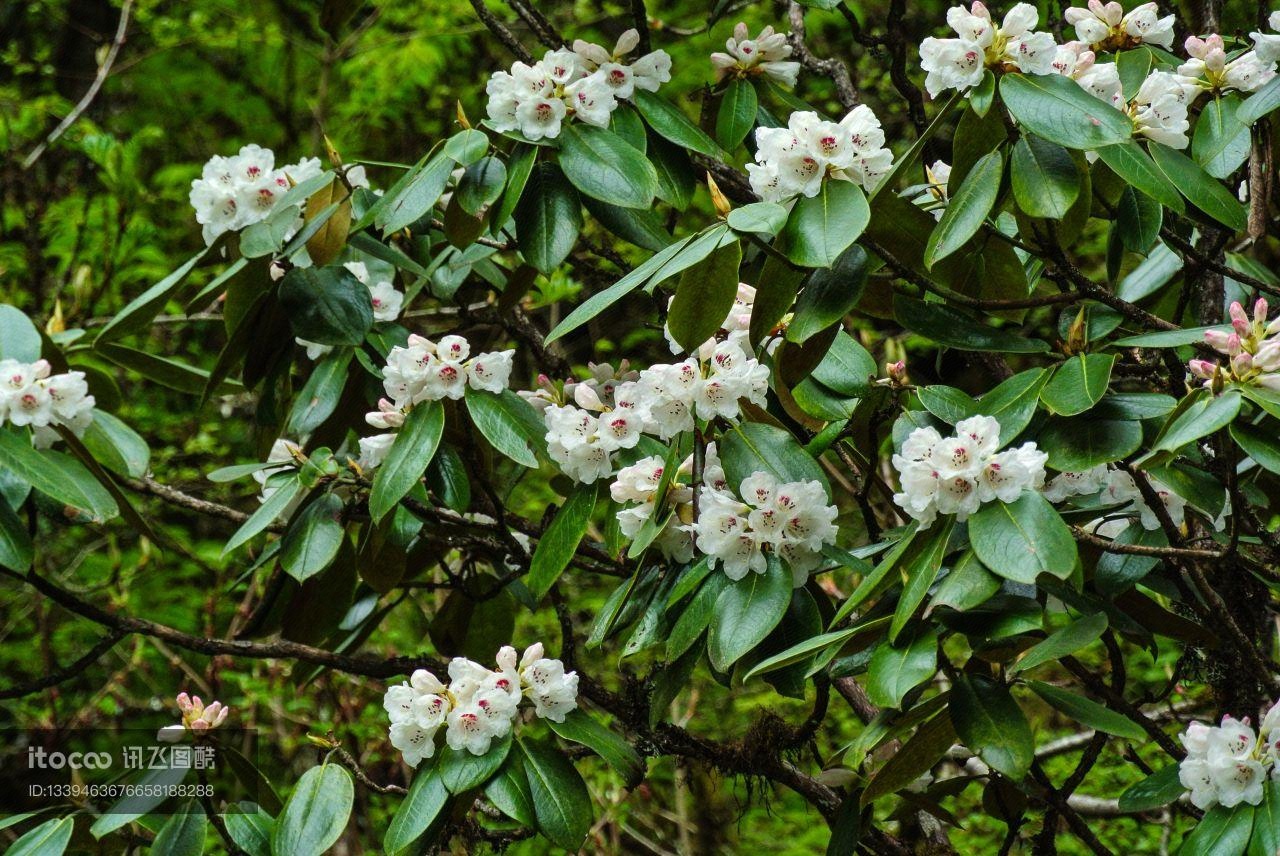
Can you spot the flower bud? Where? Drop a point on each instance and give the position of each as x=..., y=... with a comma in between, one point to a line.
x=1217, y=339
x=1202, y=369
x=1242, y=363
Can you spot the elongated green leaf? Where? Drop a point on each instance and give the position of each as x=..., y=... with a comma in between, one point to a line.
x=604, y=166
x=48, y=839
x=414, y=447
x=250, y=828
x=509, y=791
x=1135, y=166
x=1088, y=712
x=410, y=202
x=1221, y=832
x=313, y=538
x=1221, y=141
x=756, y=447
x=1258, y=443
x=579, y=727
x=1265, y=840
x=1058, y=109
x=829, y=294
x=1201, y=189
x=746, y=612
x=316, y=812
x=560, y=799
x=801, y=651
x=320, y=395
x=560, y=540
x=140, y=311
x=821, y=227
x=116, y=446
x=327, y=305
x=16, y=549
x=952, y=328
x=1159, y=789
x=425, y=801
x=1202, y=418
x=460, y=770
x=57, y=475
x=918, y=577
x=991, y=724
x=895, y=670
x=1045, y=179
x=704, y=297
x=737, y=114
x=1138, y=219
x=508, y=422
x=915, y=758
x=183, y=833
x=1260, y=103
x=967, y=209
x=548, y=218
x=1078, y=384
x=1062, y=642
x=670, y=123
x=282, y=497
x=1021, y=540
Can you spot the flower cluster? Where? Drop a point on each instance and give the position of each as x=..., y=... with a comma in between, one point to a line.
x=1252, y=349
x=423, y=370
x=478, y=705
x=196, y=716
x=243, y=189
x=585, y=82
x=1209, y=68
x=387, y=302
x=795, y=160
x=955, y=475
x=791, y=519
x=1229, y=764
x=636, y=489
x=1117, y=487
x=30, y=394
x=959, y=63
x=766, y=55
x=1107, y=27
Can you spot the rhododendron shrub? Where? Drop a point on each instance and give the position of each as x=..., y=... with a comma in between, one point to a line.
x=932, y=417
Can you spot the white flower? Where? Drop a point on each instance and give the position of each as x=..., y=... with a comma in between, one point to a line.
x=490, y=371
x=956, y=474
x=386, y=301
x=795, y=160
x=1066, y=485
x=1106, y=26
x=960, y=63
x=594, y=101
x=554, y=692
x=766, y=55
x=1101, y=80
x=1159, y=110
x=423, y=370
x=540, y=117
x=31, y=396
x=373, y=450
x=1267, y=45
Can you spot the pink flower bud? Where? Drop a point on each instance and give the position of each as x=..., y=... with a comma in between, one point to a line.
x=184, y=702
x=1217, y=339
x=1233, y=344
x=1202, y=369
x=1242, y=363
x=1260, y=309
x=1236, y=311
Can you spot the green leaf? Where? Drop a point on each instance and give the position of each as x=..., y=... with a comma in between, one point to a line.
x=1260, y=103
x=1060, y=643
x=895, y=671
x=1078, y=384
x=704, y=297
x=509, y=791
x=671, y=124
x=1045, y=179
x=1116, y=572
x=48, y=839
x=676, y=177
x=821, y=227
x=316, y=812
x=560, y=799
x=737, y=114
x=281, y=498
x=319, y=396
x=250, y=828
x=411, y=201
x=16, y=550
x=759, y=218
x=548, y=218
x=1201, y=189
x=1221, y=832
x=1266, y=823
x=580, y=728
x=183, y=833
x=918, y=576
x=407, y=460
x=136, y=315
x=829, y=295
x=916, y=757
x=1258, y=443
x=1021, y=540
x=1058, y=109
x=467, y=146
x=991, y=724
x=1136, y=168
x=560, y=540
x=327, y=305
x=519, y=168
x=1204, y=416
x=982, y=96
x=154, y=787
x=57, y=475
x=1088, y=712
x=116, y=446
x=1138, y=219
x=967, y=585
x=950, y=327
x=746, y=612
x=461, y=771
x=19, y=338
x=1159, y=789
x=801, y=651
x=641, y=227
x=967, y=209
x=508, y=422
x=313, y=538
x=696, y=615
x=753, y=447
x=1012, y=402
x=604, y=166
x=1221, y=141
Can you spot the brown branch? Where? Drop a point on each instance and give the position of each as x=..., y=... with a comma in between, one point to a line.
x=846, y=93
x=500, y=30
x=58, y=676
